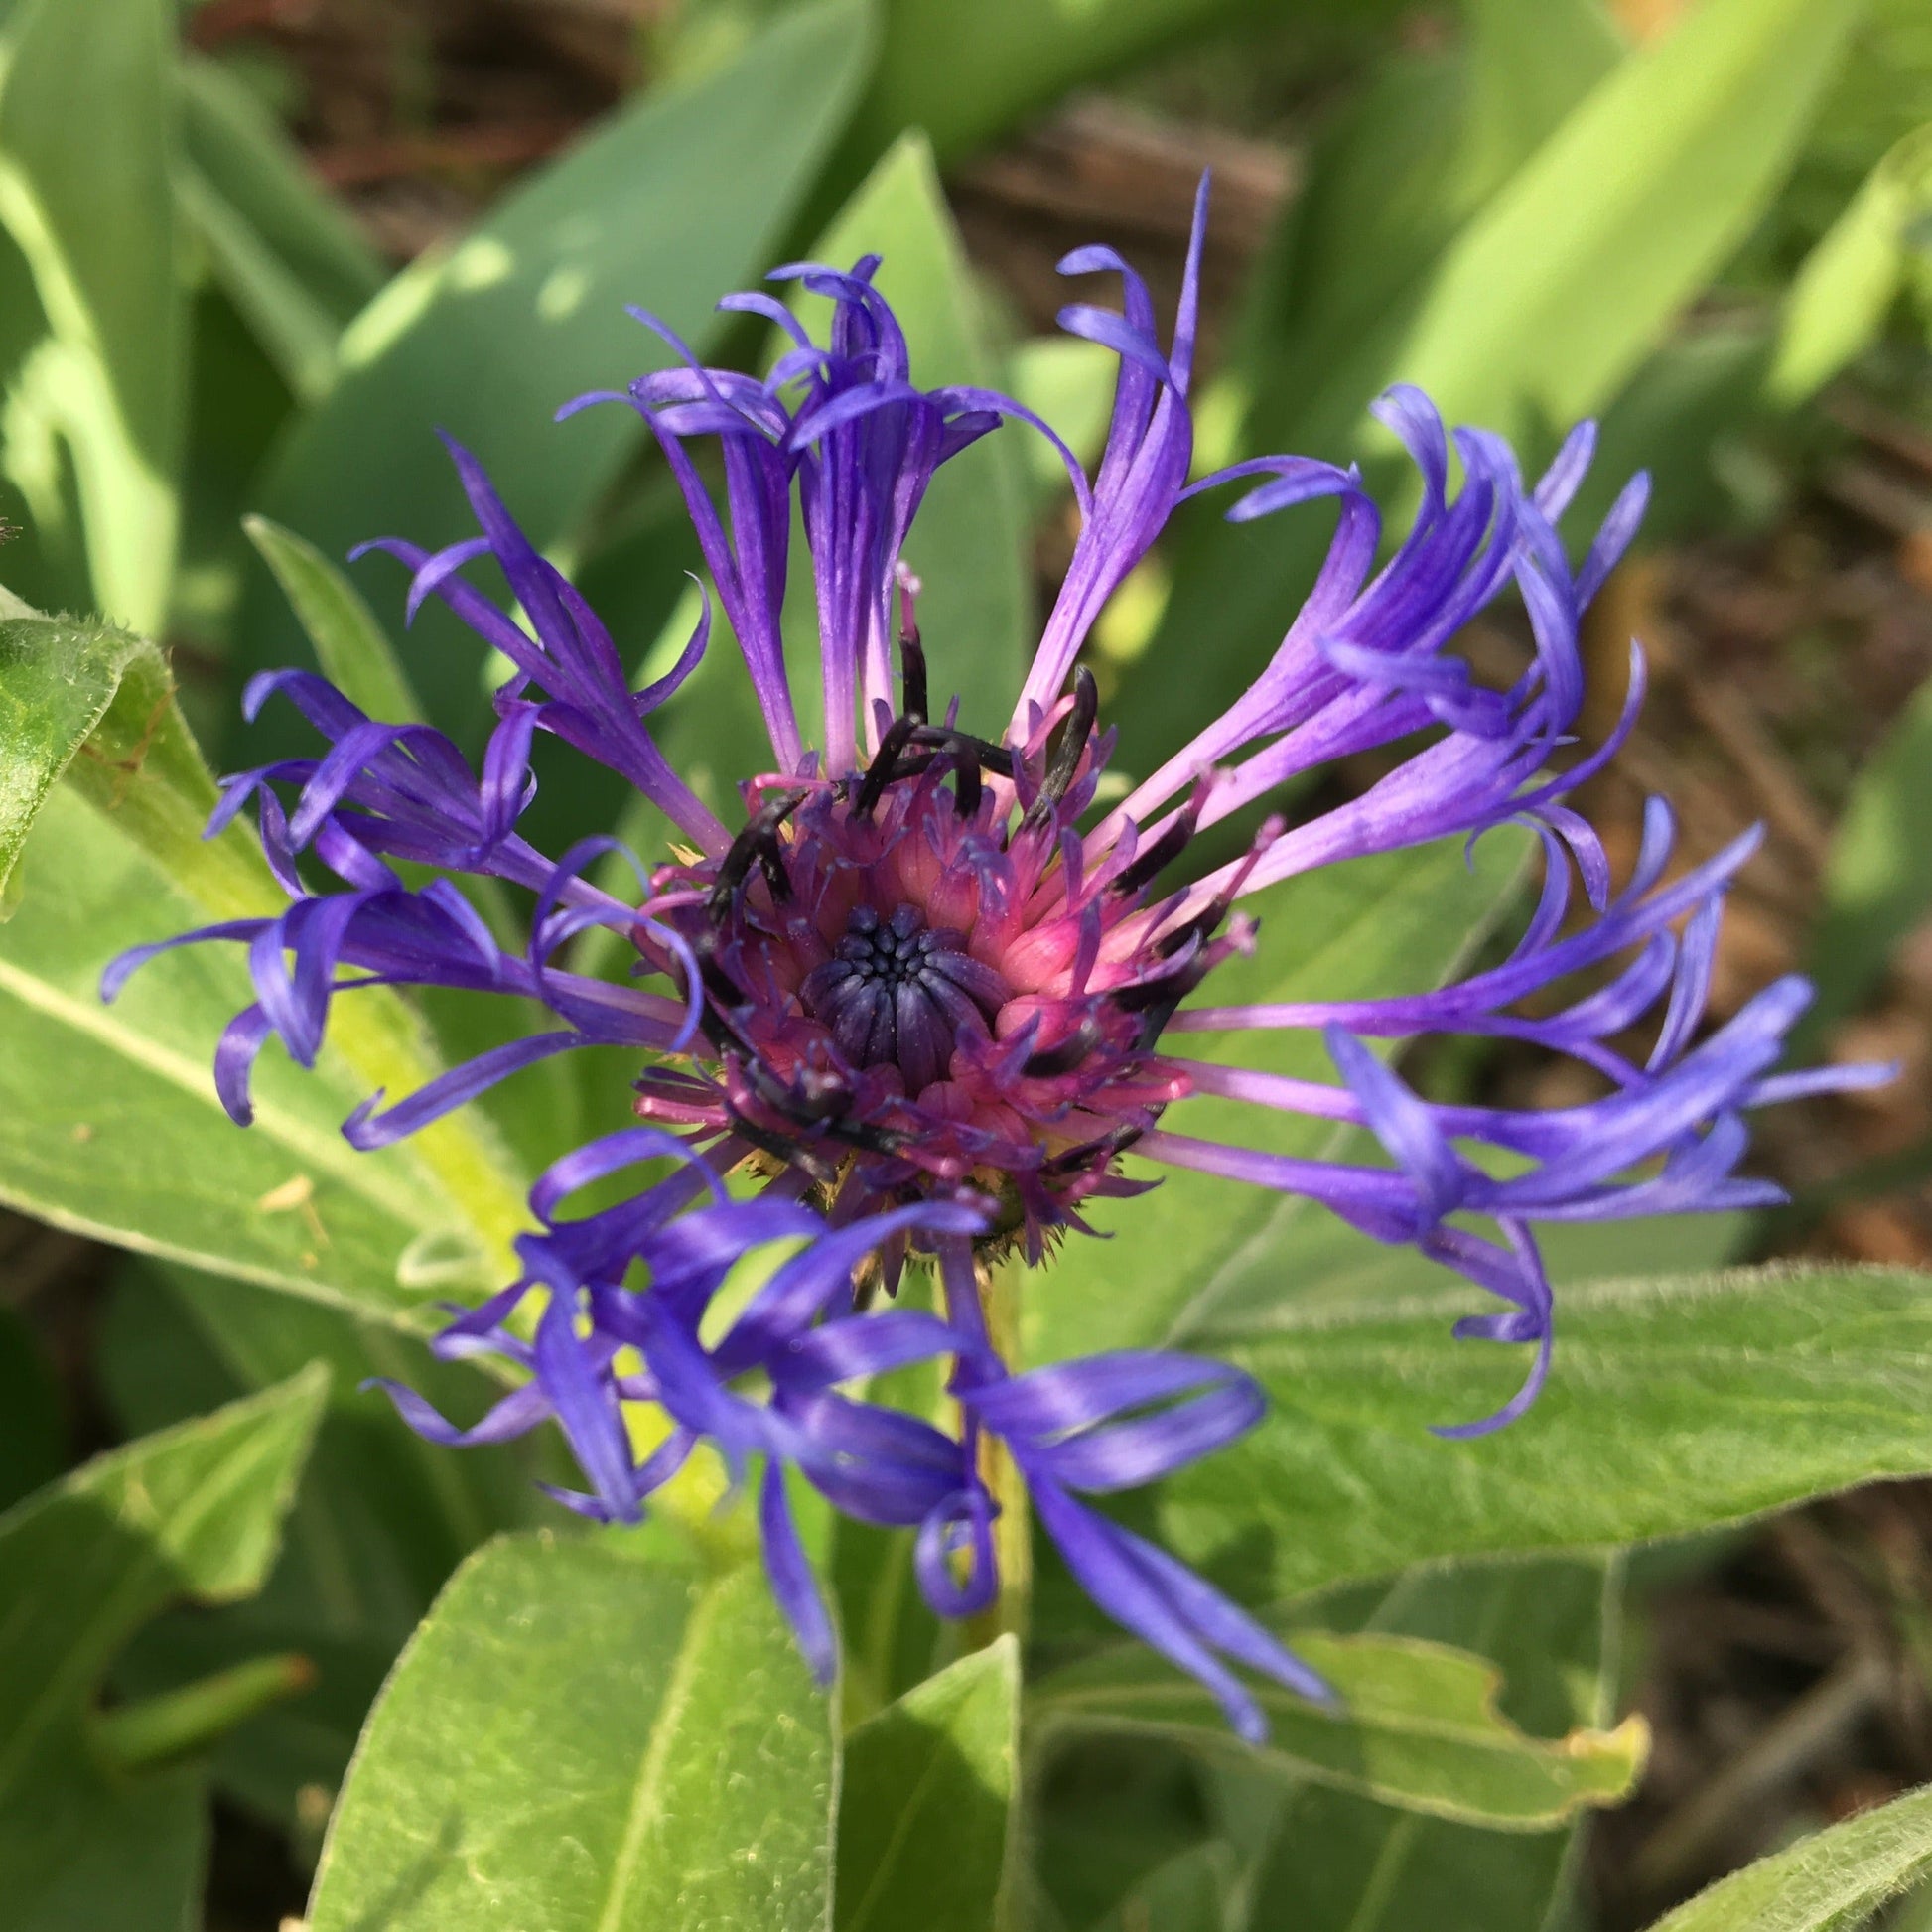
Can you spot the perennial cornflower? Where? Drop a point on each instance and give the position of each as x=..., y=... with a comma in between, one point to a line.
x=927, y=993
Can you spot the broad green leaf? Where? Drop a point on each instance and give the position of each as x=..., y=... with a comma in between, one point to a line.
x=111, y=1858
x=347, y=639
x=929, y=1788
x=1416, y=1725
x=291, y=260
x=1914, y=1913
x=1069, y=384
x=1838, y=303
x=88, y=138
x=57, y=680
x=1690, y=1404
x=965, y=75
x=1554, y=293
x=1390, y=923
x=539, y=1117
x=108, y=1121
x=111, y=1126
x=1321, y=1267
x=381, y=1519
x=1520, y=313
x=1831, y=1882
x=195, y=1512
x=671, y=204
x=1530, y=62
x=969, y=545
x=1330, y=1862
x=576, y=1739
x=1878, y=880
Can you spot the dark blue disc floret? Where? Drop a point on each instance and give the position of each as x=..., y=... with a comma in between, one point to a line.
x=898, y=992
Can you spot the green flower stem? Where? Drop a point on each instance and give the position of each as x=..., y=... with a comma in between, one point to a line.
x=1013, y=1527
x=176, y=1724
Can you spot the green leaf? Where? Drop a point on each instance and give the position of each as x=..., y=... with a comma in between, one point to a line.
x=1418, y=1725
x=576, y=1739
x=290, y=259
x=537, y=1117
x=1529, y=63
x=929, y=1788
x=195, y=1512
x=1692, y=1403
x=86, y=143
x=965, y=75
x=1519, y=310
x=110, y=1124
x=1554, y=293
x=1685, y=416
x=57, y=680
x=1326, y=1861
x=1326, y=1268
x=349, y=640
x=1397, y=923
x=1070, y=382
x=381, y=1519
x=1828, y=1883
x=1428, y=143
x=1879, y=878
x=670, y=204
x=1844, y=290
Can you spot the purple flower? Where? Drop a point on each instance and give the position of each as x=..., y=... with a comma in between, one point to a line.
x=931, y=992
x=773, y=1389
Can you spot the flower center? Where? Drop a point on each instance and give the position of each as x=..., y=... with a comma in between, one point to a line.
x=898, y=992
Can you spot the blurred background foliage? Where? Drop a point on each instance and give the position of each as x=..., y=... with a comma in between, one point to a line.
x=250, y=253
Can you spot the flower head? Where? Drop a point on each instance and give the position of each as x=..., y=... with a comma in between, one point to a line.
x=924, y=986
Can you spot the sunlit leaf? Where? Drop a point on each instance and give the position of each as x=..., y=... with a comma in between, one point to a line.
x=1692, y=1403
x=1520, y=310
x=291, y=260
x=382, y=1518
x=574, y=1738
x=670, y=204
x=1831, y=1881
x=88, y=138
x=1416, y=1725
x=1327, y=1860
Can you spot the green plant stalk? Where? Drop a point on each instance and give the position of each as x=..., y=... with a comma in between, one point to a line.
x=134, y=1737
x=999, y=1289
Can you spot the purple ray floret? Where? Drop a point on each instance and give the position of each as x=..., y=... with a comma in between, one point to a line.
x=921, y=998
